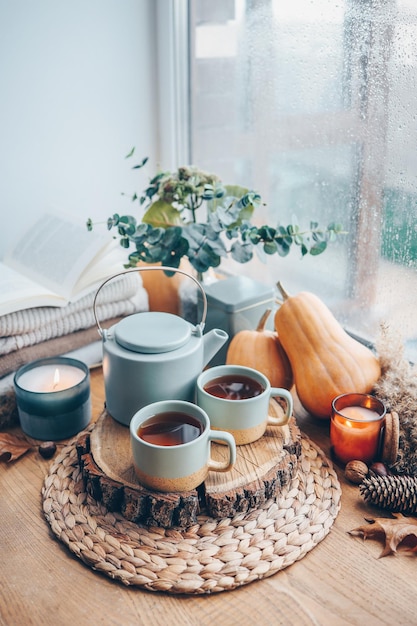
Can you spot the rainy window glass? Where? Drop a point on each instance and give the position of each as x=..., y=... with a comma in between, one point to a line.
x=314, y=105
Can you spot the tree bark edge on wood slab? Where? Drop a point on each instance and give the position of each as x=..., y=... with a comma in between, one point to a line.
x=180, y=510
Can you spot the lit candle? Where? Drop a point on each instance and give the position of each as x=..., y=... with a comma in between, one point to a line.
x=54, y=377
x=53, y=398
x=356, y=427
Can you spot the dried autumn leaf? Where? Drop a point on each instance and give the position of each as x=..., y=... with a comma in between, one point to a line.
x=401, y=529
x=12, y=447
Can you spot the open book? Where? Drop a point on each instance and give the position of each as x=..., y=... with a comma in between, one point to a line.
x=55, y=262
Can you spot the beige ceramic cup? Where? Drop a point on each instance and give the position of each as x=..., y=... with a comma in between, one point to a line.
x=246, y=419
x=173, y=468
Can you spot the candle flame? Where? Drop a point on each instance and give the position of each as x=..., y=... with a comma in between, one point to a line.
x=56, y=378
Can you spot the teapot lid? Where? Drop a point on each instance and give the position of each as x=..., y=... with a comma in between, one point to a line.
x=152, y=332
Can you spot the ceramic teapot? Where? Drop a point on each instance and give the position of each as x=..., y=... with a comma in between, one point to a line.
x=152, y=356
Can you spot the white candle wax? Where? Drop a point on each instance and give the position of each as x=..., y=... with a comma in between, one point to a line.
x=359, y=413
x=44, y=378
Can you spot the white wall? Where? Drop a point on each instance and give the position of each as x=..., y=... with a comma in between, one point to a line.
x=78, y=90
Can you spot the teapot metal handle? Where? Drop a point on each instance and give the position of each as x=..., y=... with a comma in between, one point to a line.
x=150, y=269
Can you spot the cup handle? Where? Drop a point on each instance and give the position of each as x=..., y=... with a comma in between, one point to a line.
x=229, y=440
x=277, y=392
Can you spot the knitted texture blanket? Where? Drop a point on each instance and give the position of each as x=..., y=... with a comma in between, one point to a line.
x=32, y=326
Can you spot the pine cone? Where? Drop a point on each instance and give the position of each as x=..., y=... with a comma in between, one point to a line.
x=395, y=493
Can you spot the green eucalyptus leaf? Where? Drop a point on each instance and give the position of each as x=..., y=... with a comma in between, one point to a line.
x=251, y=198
x=127, y=224
x=211, y=233
x=242, y=253
x=155, y=236
x=208, y=192
x=215, y=223
x=163, y=214
x=267, y=233
x=171, y=236
x=134, y=258
x=194, y=233
x=217, y=246
x=293, y=229
x=270, y=247
x=232, y=194
x=282, y=236
x=335, y=227
x=318, y=248
x=113, y=221
x=142, y=231
x=331, y=236
x=197, y=265
x=181, y=248
x=151, y=191
x=141, y=164
x=207, y=257
x=156, y=253
x=318, y=236
x=254, y=236
x=228, y=215
x=158, y=176
x=202, y=261
x=282, y=247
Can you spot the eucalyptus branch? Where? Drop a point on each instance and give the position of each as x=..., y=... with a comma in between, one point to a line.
x=164, y=234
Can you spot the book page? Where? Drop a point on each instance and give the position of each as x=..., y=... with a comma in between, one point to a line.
x=107, y=262
x=18, y=292
x=54, y=252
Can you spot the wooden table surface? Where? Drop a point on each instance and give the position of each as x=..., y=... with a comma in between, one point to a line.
x=341, y=581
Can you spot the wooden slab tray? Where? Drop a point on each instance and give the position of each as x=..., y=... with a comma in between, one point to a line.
x=261, y=470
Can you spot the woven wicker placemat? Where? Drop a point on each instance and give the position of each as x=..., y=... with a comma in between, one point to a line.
x=211, y=556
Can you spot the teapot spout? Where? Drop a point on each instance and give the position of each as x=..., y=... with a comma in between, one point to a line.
x=213, y=341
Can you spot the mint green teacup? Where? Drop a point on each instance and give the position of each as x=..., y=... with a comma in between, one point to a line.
x=236, y=399
x=171, y=442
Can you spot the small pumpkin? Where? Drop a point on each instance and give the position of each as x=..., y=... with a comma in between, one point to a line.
x=261, y=349
x=325, y=360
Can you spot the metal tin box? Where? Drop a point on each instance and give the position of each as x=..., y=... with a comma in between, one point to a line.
x=234, y=304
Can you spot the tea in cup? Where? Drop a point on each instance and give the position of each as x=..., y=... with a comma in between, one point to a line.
x=236, y=399
x=170, y=443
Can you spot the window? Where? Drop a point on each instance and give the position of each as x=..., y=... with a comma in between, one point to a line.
x=314, y=105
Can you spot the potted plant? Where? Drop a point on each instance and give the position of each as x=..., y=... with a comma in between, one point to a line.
x=191, y=214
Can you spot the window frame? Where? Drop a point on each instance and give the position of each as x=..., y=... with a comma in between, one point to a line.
x=174, y=85
x=363, y=117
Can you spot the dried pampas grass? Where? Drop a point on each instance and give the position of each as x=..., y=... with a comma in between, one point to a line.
x=397, y=387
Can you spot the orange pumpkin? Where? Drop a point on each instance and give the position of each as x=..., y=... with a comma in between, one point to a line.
x=326, y=361
x=261, y=349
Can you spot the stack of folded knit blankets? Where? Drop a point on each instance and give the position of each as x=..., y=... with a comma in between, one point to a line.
x=43, y=332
